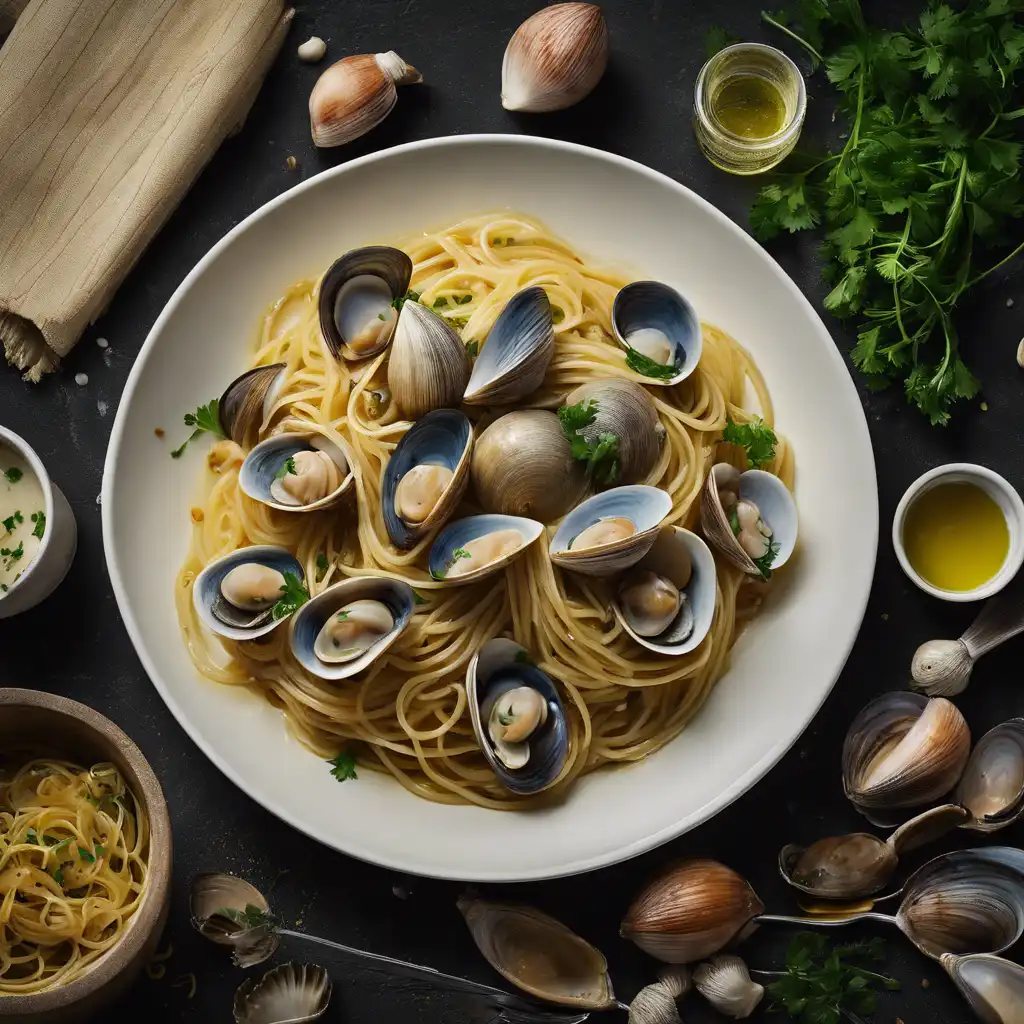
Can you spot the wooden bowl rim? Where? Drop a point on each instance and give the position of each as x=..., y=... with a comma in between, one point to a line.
x=140, y=928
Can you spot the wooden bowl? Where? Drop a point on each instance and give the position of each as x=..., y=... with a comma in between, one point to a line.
x=76, y=732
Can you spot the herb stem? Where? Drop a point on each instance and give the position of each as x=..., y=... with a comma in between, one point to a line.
x=991, y=270
x=765, y=16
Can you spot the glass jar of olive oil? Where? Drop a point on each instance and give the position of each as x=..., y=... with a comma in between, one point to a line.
x=748, y=108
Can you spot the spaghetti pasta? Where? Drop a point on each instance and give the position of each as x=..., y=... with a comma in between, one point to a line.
x=408, y=714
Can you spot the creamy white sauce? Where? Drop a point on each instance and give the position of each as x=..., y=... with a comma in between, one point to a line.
x=22, y=517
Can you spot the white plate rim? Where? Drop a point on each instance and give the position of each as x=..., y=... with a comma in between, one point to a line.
x=858, y=598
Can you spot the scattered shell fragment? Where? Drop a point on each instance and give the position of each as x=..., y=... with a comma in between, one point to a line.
x=726, y=984
x=312, y=50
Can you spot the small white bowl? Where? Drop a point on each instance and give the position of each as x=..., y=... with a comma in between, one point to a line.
x=1000, y=491
x=60, y=541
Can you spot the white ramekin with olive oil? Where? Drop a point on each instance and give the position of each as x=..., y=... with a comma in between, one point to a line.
x=959, y=532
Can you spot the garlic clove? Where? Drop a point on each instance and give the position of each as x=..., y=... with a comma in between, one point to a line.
x=312, y=50
x=355, y=95
x=726, y=984
x=555, y=58
x=656, y=1004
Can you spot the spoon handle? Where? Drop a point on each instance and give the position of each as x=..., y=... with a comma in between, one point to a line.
x=1000, y=619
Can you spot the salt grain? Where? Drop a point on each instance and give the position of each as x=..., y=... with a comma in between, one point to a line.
x=1009, y=303
x=99, y=499
x=102, y=342
x=101, y=408
x=81, y=379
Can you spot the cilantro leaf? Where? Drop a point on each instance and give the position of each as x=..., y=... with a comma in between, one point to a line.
x=757, y=437
x=86, y=855
x=418, y=598
x=206, y=419
x=249, y=919
x=472, y=349
x=343, y=767
x=399, y=301
x=13, y=474
x=295, y=595
x=599, y=450
x=39, y=518
x=764, y=563
x=322, y=565
x=639, y=363
x=288, y=466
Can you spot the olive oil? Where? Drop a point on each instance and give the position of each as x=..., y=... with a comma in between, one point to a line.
x=749, y=106
x=956, y=536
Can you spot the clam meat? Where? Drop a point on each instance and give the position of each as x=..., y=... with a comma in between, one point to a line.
x=472, y=548
x=297, y=472
x=650, y=602
x=419, y=491
x=658, y=324
x=252, y=587
x=604, y=531
x=484, y=550
x=353, y=629
x=306, y=477
x=515, y=717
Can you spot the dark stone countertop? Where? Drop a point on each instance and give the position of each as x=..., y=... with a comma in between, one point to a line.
x=75, y=644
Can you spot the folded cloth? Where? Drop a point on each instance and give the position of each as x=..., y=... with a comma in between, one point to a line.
x=109, y=109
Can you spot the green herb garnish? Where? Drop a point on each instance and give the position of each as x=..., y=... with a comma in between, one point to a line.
x=639, y=363
x=821, y=984
x=557, y=314
x=32, y=837
x=11, y=521
x=764, y=563
x=13, y=474
x=12, y=556
x=343, y=767
x=401, y=300
x=56, y=845
x=58, y=876
x=206, y=419
x=523, y=658
x=758, y=438
x=288, y=466
x=441, y=302
x=295, y=595
x=39, y=518
x=86, y=855
x=342, y=616
x=99, y=850
x=249, y=919
x=716, y=38
x=734, y=521
x=928, y=180
x=456, y=323
x=472, y=349
x=322, y=565
x=418, y=598
x=600, y=453
x=463, y=300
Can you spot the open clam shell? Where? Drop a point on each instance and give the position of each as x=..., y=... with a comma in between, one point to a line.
x=428, y=367
x=516, y=354
x=248, y=399
x=523, y=465
x=357, y=317
x=992, y=785
x=310, y=620
x=644, y=508
x=443, y=437
x=462, y=553
x=222, y=617
x=267, y=463
x=992, y=986
x=683, y=558
x=659, y=323
x=289, y=994
x=497, y=668
x=230, y=912
x=773, y=500
x=540, y=955
x=903, y=750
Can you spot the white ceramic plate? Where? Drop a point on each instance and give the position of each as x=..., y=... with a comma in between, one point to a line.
x=611, y=209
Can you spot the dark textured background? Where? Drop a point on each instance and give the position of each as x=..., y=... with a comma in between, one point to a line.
x=75, y=644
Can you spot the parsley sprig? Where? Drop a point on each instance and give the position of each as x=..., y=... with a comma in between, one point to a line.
x=600, y=450
x=639, y=363
x=927, y=182
x=294, y=596
x=764, y=563
x=288, y=466
x=206, y=419
x=822, y=983
x=343, y=767
x=757, y=437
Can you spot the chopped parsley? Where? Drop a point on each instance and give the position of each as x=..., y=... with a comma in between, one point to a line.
x=734, y=521
x=295, y=595
x=343, y=767
x=600, y=453
x=463, y=300
x=342, y=616
x=13, y=474
x=764, y=563
x=456, y=555
x=39, y=518
x=58, y=876
x=441, y=302
x=86, y=855
x=250, y=918
x=523, y=658
x=11, y=521
x=757, y=437
x=639, y=363
x=456, y=323
x=472, y=349
x=32, y=837
x=99, y=850
x=12, y=556
x=322, y=565
x=399, y=301
x=418, y=598
x=288, y=466
x=206, y=419
x=557, y=314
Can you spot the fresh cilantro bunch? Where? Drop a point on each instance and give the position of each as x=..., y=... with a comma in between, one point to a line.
x=926, y=192
x=822, y=982
x=600, y=451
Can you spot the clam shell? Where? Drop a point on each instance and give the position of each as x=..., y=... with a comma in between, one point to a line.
x=992, y=785
x=265, y=461
x=549, y=745
x=310, y=619
x=651, y=304
x=460, y=533
x=391, y=267
x=523, y=466
x=699, y=607
x=443, y=437
x=212, y=894
x=206, y=595
x=428, y=367
x=625, y=409
x=248, y=399
x=775, y=503
x=516, y=354
x=289, y=994
x=539, y=955
x=644, y=506
x=839, y=867
x=992, y=986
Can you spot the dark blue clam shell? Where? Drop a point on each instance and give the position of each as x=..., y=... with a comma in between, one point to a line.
x=651, y=304
x=265, y=461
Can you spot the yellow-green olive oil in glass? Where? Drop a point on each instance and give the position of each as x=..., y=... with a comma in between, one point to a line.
x=748, y=108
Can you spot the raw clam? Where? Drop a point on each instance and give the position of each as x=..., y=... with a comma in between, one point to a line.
x=231, y=912
x=426, y=476
x=993, y=987
x=625, y=409
x=523, y=466
x=248, y=399
x=289, y=994
x=376, y=610
x=358, y=295
x=235, y=595
x=610, y=531
x=516, y=354
x=657, y=322
x=470, y=549
x=428, y=367
x=532, y=761
x=539, y=954
x=746, y=516
x=967, y=901
x=902, y=751
x=677, y=575
x=693, y=910
x=296, y=472
x=992, y=785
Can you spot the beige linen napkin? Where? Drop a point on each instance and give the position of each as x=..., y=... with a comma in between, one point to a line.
x=109, y=109
x=9, y=11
